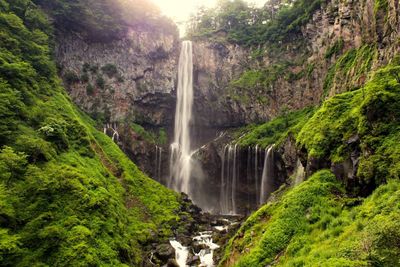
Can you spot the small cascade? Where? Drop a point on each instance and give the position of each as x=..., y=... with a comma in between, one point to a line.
x=299, y=173
x=229, y=173
x=249, y=168
x=256, y=177
x=158, y=163
x=267, y=175
x=235, y=171
x=206, y=255
x=113, y=128
x=180, y=161
x=181, y=253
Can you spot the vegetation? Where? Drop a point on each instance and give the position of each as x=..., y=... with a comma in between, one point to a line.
x=278, y=21
x=102, y=20
x=304, y=226
x=370, y=113
x=274, y=131
x=68, y=195
x=161, y=138
x=351, y=69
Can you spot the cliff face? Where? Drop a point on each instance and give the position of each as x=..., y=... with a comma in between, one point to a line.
x=128, y=79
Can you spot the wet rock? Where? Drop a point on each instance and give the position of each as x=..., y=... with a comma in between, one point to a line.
x=164, y=252
x=172, y=263
x=193, y=261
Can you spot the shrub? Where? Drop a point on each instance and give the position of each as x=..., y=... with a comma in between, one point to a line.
x=110, y=70
x=100, y=82
x=71, y=77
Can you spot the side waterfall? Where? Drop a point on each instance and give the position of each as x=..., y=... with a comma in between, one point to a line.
x=256, y=173
x=229, y=176
x=267, y=175
x=180, y=162
x=158, y=163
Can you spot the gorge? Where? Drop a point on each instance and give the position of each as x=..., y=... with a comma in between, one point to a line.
x=266, y=136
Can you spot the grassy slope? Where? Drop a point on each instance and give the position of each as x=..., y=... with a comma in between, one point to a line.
x=317, y=223
x=68, y=194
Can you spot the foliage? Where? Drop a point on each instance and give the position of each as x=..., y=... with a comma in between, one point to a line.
x=68, y=195
x=102, y=20
x=351, y=69
x=110, y=70
x=277, y=21
x=314, y=224
x=371, y=113
x=274, y=131
x=335, y=49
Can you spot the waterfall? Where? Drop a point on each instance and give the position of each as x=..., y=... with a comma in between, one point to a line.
x=234, y=180
x=158, y=163
x=256, y=173
x=267, y=175
x=222, y=196
x=249, y=167
x=115, y=134
x=181, y=253
x=180, y=163
x=229, y=176
x=299, y=173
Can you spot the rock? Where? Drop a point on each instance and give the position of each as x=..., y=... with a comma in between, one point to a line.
x=164, y=252
x=172, y=263
x=193, y=261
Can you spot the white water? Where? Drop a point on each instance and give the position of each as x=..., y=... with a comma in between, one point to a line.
x=205, y=255
x=299, y=173
x=256, y=173
x=229, y=178
x=115, y=134
x=267, y=174
x=181, y=253
x=180, y=163
x=158, y=163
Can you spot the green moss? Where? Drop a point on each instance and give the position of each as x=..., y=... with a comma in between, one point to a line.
x=314, y=224
x=335, y=49
x=371, y=113
x=351, y=69
x=275, y=131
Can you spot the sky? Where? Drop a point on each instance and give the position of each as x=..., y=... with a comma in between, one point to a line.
x=180, y=10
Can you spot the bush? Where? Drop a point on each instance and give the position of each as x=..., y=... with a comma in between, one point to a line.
x=89, y=89
x=100, y=82
x=71, y=77
x=110, y=70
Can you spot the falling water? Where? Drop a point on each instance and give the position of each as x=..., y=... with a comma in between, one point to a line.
x=299, y=173
x=158, y=163
x=256, y=173
x=181, y=253
x=229, y=176
x=180, y=164
x=267, y=174
x=248, y=174
x=234, y=180
x=222, y=196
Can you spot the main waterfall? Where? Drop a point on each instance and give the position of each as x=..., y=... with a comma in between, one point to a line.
x=180, y=161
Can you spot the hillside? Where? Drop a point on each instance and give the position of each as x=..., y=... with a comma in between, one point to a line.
x=69, y=195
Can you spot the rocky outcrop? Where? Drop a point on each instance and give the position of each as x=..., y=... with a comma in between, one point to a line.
x=129, y=79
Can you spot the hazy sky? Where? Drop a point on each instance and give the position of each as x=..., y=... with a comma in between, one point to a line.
x=179, y=10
